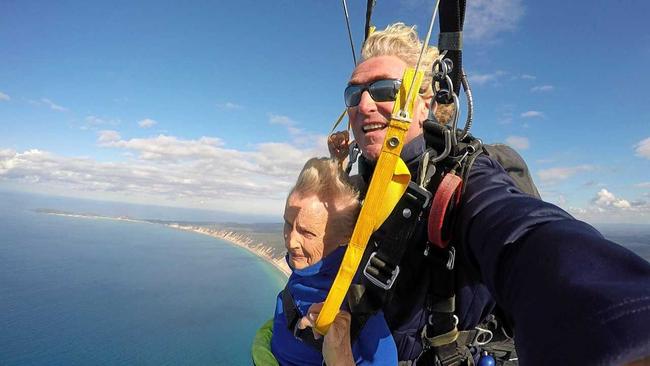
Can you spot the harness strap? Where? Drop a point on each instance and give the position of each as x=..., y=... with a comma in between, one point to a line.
x=293, y=315
x=451, y=354
x=368, y=27
x=389, y=181
x=450, y=41
x=452, y=17
x=383, y=264
x=440, y=340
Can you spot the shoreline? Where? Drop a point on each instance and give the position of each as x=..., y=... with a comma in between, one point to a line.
x=239, y=240
x=231, y=237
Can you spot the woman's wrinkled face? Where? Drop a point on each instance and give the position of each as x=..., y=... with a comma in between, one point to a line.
x=305, y=230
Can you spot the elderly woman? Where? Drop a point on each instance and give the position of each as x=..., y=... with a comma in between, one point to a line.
x=319, y=218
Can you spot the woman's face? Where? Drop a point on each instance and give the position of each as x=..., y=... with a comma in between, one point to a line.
x=306, y=230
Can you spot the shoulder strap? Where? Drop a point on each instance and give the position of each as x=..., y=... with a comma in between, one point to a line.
x=382, y=259
x=293, y=315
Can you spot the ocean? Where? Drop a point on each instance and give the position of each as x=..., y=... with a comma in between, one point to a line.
x=77, y=291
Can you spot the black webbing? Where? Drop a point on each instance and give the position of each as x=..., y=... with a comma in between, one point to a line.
x=452, y=17
x=390, y=241
x=369, y=7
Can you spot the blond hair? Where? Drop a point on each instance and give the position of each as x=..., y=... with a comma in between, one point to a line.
x=324, y=178
x=402, y=41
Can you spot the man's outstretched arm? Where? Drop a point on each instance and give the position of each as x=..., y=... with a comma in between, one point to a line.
x=573, y=296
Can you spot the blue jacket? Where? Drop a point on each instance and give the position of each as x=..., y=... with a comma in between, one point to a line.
x=374, y=346
x=573, y=297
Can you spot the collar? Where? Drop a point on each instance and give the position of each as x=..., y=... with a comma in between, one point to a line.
x=329, y=263
x=411, y=154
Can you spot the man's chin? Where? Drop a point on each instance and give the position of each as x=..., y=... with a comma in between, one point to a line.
x=371, y=153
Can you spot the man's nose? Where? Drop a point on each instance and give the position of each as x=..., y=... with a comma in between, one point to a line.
x=367, y=105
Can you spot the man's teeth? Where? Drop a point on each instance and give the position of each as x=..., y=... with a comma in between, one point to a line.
x=373, y=127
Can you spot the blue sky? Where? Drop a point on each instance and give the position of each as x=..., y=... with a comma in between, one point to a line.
x=217, y=105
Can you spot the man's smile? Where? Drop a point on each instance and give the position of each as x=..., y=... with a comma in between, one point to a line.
x=373, y=127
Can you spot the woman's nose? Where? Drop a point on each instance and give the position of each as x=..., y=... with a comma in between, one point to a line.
x=291, y=240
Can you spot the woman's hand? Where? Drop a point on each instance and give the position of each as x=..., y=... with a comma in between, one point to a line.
x=338, y=144
x=337, y=348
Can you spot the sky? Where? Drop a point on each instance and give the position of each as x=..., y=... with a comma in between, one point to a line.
x=217, y=105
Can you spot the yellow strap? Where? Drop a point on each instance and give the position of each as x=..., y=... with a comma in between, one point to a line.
x=388, y=184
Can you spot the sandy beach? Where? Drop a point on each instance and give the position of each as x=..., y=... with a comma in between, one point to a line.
x=242, y=241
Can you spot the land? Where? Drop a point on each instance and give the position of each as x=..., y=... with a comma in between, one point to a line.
x=264, y=239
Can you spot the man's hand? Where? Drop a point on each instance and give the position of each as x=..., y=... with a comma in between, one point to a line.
x=337, y=348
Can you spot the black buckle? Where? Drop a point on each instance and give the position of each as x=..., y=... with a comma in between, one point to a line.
x=375, y=267
x=418, y=194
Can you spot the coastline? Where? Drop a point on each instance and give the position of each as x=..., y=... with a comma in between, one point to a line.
x=231, y=237
x=239, y=240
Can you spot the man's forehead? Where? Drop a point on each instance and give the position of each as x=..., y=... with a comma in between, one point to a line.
x=376, y=68
x=370, y=76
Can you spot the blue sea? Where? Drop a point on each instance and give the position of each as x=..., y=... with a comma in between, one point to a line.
x=76, y=291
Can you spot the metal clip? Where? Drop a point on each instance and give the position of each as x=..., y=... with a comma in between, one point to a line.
x=377, y=282
x=483, y=337
x=452, y=258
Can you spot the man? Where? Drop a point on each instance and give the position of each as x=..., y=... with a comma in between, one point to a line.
x=571, y=296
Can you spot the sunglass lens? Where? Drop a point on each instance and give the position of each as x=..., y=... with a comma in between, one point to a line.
x=384, y=90
x=353, y=95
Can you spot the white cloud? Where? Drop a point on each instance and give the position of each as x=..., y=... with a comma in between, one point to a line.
x=528, y=77
x=147, y=122
x=107, y=136
x=93, y=122
x=4, y=96
x=643, y=185
x=230, y=106
x=606, y=207
x=642, y=148
x=542, y=88
x=275, y=119
x=165, y=147
x=485, y=19
x=53, y=105
x=171, y=170
x=518, y=142
x=532, y=114
x=299, y=136
x=553, y=175
x=483, y=79
x=605, y=198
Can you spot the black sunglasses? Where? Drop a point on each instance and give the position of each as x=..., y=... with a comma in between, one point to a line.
x=384, y=90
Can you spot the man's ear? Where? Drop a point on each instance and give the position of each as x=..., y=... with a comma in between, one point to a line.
x=424, y=109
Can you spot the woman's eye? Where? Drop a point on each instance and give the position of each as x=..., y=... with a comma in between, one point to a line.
x=309, y=234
